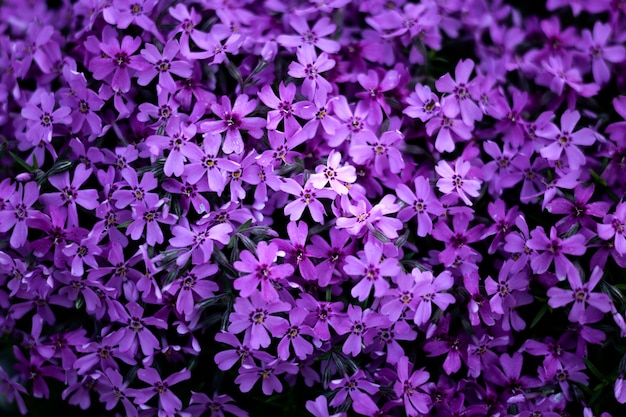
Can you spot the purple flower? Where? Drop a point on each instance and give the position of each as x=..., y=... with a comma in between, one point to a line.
x=428, y=291
x=113, y=390
x=565, y=139
x=206, y=161
x=333, y=174
x=41, y=117
x=193, y=286
x=614, y=226
x=135, y=332
x=460, y=98
x=216, y=406
x=233, y=121
x=137, y=12
x=502, y=297
x=315, y=36
x=169, y=403
x=138, y=193
x=409, y=385
x=358, y=388
x=319, y=408
x=581, y=294
x=356, y=324
x=456, y=179
x=84, y=103
x=554, y=249
x=164, y=65
x=254, y=315
x=595, y=45
x=117, y=59
x=423, y=104
x=70, y=195
x=421, y=204
x=293, y=336
x=17, y=213
x=309, y=67
x=249, y=374
x=263, y=271
x=200, y=240
x=372, y=267
x=306, y=197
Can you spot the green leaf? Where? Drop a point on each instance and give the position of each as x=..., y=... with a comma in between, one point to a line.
x=539, y=315
x=595, y=371
x=598, y=179
x=21, y=162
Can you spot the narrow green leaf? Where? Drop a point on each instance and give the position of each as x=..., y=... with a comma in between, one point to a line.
x=539, y=315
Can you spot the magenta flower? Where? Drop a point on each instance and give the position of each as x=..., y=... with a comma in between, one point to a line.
x=315, y=36
x=163, y=64
x=263, y=271
x=254, y=316
x=502, y=292
x=333, y=254
x=199, y=240
x=41, y=117
x=169, y=403
x=421, y=204
x=429, y=290
x=249, y=374
x=216, y=406
x=296, y=250
x=554, y=249
x=70, y=195
x=358, y=388
x=374, y=92
x=565, y=139
x=374, y=219
x=455, y=179
x=192, y=286
x=113, y=390
x=355, y=325
x=581, y=294
x=293, y=336
x=459, y=91
x=17, y=213
x=423, y=104
x=383, y=151
x=409, y=385
x=306, y=197
x=135, y=332
x=595, y=45
x=371, y=266
x=233, y=121
x=614, y=226
x=117, y=59
x=283, y=108
x=309, y=67
x=333, y=174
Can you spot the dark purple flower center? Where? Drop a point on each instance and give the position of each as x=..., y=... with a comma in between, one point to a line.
x=121, y=59
x=46, y=119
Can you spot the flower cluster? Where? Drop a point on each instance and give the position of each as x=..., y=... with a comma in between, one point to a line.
x=373, y=208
